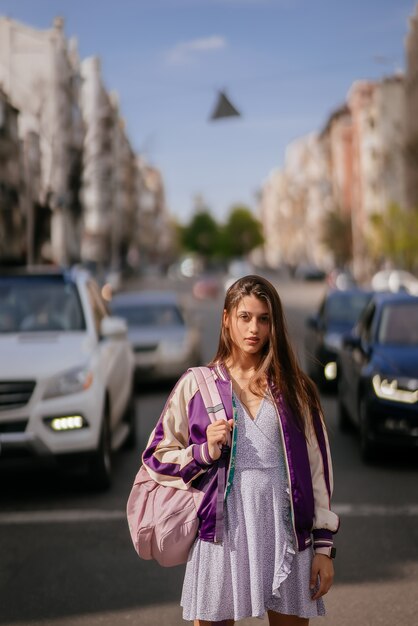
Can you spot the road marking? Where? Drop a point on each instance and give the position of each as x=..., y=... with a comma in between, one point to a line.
x=375, y=510
x=63, y=516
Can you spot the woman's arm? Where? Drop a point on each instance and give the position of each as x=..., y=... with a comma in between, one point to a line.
x=326, y=522
x=169, y=458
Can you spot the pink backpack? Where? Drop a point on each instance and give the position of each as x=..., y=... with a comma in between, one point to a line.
x=163, y=520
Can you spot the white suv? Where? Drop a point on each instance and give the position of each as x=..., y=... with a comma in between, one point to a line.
x=66, y=371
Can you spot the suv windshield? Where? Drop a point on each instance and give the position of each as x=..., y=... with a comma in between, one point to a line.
x=149, y=315
x=399, y=324
x=39, y=304
x=345, y=308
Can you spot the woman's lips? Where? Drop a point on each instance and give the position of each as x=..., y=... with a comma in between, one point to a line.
x=252, y=339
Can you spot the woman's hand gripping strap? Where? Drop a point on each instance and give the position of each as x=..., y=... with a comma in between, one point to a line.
x=216, y=411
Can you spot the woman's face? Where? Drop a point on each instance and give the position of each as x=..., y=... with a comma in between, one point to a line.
x=249, y=325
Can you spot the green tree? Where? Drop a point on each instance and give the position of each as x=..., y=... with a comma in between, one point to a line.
x=201, y=235
x=395, y=236
x=337, y=236
x=241, y=234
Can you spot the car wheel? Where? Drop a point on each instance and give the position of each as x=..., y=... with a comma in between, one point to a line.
x=367, y=447
x=100, y=461
x=130, y=419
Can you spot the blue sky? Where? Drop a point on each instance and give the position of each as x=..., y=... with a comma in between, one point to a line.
x=286, y=64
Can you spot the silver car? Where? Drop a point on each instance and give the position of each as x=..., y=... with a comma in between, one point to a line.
x=165, y=342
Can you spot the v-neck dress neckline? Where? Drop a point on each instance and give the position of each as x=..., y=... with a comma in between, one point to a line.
x=247, y=412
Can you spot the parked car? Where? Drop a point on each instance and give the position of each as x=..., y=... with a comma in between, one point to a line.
x=206, y=287
x=306, y=271
x=66, y=372
x=378, y=374
x=163, y=337
x=338, y=312
x=395, y=280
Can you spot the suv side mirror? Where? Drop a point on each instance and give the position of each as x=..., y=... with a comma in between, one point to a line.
x=113, y=328
x=351, y=341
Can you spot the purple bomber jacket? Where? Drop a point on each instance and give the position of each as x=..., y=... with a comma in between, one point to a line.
x=177, y=455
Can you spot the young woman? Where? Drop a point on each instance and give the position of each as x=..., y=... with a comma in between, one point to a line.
x=265, y=545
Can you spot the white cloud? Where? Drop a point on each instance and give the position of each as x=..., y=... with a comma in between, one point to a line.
x=185, y=51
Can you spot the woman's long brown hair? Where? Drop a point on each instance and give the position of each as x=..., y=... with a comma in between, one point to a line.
x=278, y=361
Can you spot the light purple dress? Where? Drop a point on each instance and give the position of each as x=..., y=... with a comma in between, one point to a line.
x=256, y=568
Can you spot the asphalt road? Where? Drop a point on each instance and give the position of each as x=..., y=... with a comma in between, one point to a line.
x=66, y=556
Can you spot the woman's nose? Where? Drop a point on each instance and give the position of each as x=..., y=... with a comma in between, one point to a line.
x=253, y=326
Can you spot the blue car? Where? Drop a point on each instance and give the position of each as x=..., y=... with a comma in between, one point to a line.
x=338, y=312
x=378, y=374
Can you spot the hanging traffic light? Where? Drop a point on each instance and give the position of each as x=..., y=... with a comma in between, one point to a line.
x=224, y=108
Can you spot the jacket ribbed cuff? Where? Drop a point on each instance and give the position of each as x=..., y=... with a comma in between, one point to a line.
x=322, y=538
x=201, y=454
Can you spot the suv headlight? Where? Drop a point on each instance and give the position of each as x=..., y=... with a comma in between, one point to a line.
x=398, y=390
x=72, y=381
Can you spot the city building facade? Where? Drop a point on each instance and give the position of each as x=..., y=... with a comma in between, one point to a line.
x=38, y=71
x=378, y=114
x=154, y=228
x=337, y=141
x=355, y=168
x=71, y=187
x=293, y=204
x=98, y=165
x=274, y=212
x=411, y=108
x=12, y=219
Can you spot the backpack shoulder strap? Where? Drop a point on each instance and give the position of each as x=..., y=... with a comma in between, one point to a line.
x=209, y=392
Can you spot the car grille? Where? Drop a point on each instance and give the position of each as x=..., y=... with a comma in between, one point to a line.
x=15, y=393
x=13, y=427
x=145, y=348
